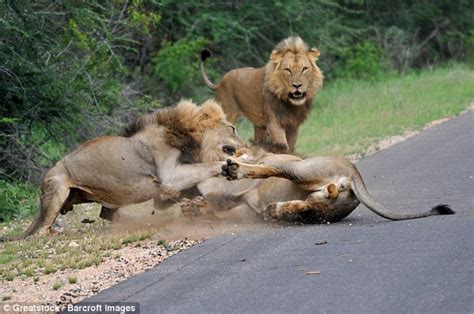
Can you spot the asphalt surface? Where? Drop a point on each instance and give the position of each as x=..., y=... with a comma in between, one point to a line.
x=368, y=265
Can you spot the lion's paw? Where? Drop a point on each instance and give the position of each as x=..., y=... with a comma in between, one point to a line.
x=281, y=148
x=332, y=191
x=195, y=207
x=230, y=170
x=188, y=208
x=270, y=212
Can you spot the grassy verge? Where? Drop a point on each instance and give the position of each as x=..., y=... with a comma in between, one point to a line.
x=80, y=247
x=349, y=115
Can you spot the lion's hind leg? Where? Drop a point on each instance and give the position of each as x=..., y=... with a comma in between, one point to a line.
x=109, y=214
x=314, y=209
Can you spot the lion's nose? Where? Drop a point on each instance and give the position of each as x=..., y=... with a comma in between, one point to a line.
x=295, y=85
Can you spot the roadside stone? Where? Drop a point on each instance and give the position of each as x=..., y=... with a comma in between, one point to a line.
x=73, y=244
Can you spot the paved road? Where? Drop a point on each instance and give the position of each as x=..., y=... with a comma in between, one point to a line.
x=369, y=265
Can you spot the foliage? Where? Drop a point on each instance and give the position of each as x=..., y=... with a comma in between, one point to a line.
x=175, y=63
x=17, y=200
x=62, y=76
x=365, y=61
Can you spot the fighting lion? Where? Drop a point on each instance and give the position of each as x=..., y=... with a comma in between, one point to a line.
x=276, y=98
x=161, y=154
x=286, y=187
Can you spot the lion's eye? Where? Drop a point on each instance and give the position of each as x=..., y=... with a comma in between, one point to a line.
x=287, y=70
x=234, y=130
x=229, y=150
x=304, y=69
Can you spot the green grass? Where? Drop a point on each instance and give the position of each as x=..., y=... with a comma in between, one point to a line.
x=57, y=285
x=135, y=237
x=72, y=280
x=349, y=115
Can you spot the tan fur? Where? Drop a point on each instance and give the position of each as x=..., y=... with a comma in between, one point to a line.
x=263, y=94
x=162, y=154
x=314, y=190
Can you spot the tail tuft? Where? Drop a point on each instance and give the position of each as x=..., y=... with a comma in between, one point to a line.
x=205, y=54
x=442, y=209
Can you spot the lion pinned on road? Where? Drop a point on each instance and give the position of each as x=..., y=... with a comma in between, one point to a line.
x=286, y=187
x=161, y=154
x=276, y=98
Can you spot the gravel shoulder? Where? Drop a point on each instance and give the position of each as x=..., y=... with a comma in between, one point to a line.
x=72, y=285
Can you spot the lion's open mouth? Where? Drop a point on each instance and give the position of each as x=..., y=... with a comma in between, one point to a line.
x=297, y=95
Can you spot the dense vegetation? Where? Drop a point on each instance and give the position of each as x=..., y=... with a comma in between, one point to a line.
x=70, y=70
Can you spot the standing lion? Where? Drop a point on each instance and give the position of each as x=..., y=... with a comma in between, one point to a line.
x=276, y=98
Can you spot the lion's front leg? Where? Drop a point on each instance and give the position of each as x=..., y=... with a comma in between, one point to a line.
x=291, y=136
x=276, y=134
x=184, y=177
x=270, y=134
x=234, y=169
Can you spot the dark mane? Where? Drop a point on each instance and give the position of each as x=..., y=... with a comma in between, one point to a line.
x=132, y=128
x=176, y=135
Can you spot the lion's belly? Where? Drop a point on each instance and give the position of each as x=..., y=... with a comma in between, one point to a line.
x=112, y=172
x=131, y=193
x=274, y=190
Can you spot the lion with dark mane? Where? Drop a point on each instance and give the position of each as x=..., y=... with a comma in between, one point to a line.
x=161, y=154
x=276, y=98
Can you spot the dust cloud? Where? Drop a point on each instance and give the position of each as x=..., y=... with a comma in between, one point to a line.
x=171, y=224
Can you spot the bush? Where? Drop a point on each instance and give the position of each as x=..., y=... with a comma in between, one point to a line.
x=364, y=62
x=62, y=76
x=176, y=64
x=17, y=200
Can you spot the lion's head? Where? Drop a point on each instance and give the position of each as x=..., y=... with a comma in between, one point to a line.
x=219, y=137
x=201, y=133
x=292, y=74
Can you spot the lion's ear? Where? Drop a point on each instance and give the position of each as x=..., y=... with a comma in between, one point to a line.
x=275, y=56
x=210, y=114
x=313, y=53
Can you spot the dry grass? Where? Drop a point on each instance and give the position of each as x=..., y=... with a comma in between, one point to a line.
x=80, y=247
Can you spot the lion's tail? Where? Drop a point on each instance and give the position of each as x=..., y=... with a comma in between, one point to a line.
x=371, y=203
x=204, y=55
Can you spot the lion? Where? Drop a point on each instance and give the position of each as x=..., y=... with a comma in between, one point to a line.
x=160, y=155
x=276, y=98
x=286, y=187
